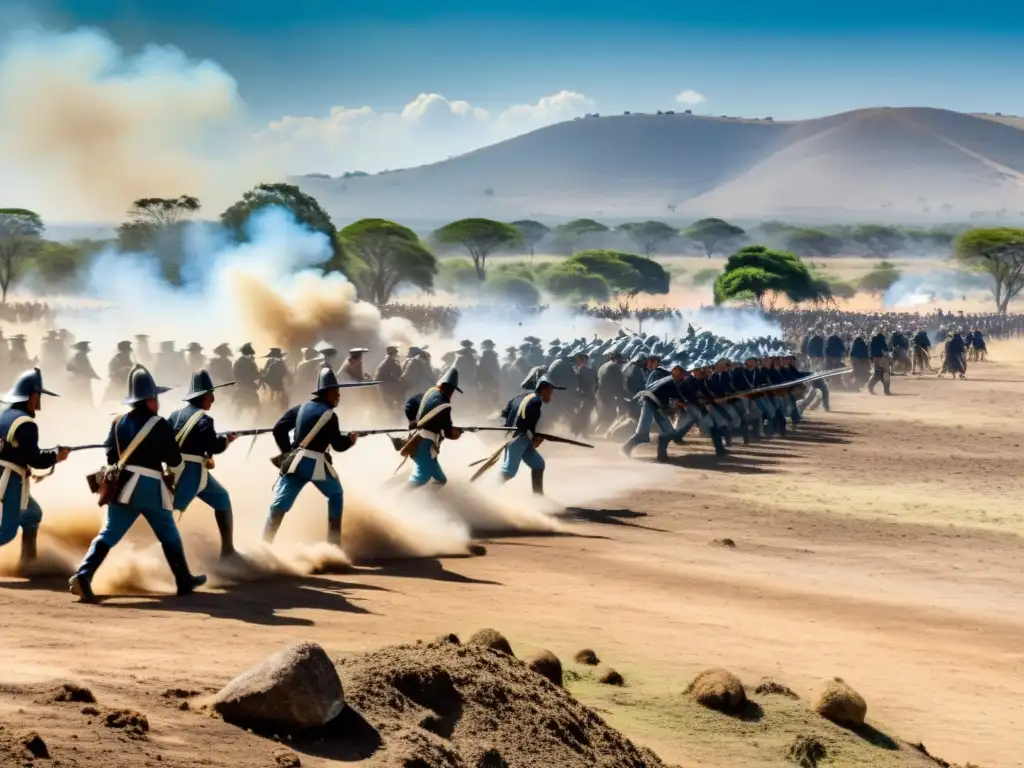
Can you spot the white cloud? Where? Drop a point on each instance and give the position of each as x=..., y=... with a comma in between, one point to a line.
x=691, y=97
x=428, y=129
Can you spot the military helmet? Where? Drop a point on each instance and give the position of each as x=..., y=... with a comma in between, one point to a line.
x=28, y=384
x=326, y=380
x=202, y=384
x=141, y=386
x=450, y=378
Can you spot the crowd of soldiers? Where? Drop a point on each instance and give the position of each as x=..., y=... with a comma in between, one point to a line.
x=24, y=312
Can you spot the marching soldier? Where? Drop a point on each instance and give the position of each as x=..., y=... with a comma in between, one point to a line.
x=352, y=368
x=389, y=373
x=141, y=444
x=52, y=355
x=81, y=373
x=489, y=374
x=306, y=457
x=246, y=375
x=118, y=368
x=143, y=356
x=199, y=442
x=416, y=372
x=275, y=377
x=901, y=352
x=523, y=413
x=19, y=454
x=656, y=401
x=220, y=366
x=880, y=362
x=195, y=359
x=922, y=345
x=306, y=372
x=586, y=388
x=610, y=385
x=860, y=361
x=430, y=415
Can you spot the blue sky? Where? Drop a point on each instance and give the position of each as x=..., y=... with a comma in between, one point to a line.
x=787, y=58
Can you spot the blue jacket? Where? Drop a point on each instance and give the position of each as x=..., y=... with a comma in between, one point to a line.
x=530, y=416
x=202, y=440
x=429, y=400
x=157, y=449
x=23, y=450
x=302, y=419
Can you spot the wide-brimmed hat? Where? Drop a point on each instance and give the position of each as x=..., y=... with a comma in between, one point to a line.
x=28, y=384
x=202, y=384
x=141, y=386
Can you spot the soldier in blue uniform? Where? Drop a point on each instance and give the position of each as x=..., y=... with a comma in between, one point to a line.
x=305, y=458
x=430, y=415
x=656, y=401
x=145, y=443
x=19, y=453
x=523, y=412
x=199, y=443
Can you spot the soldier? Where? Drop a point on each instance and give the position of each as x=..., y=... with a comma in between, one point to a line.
x=921, y=358
x=743, y=380
x=879, y=351
x=465, y=361
x=417, y=374
x=276, y=378
x=18, y=358
x=955, y=361
x=142, y=444
x=19, y=454
x=118, y=368
x=430, y=415
x=901, y=352
x=246, y=375
x=306, y=457
x=523, y=412
x=489, y=374
x=389, y=373
x=562, y=374
x=980, y=348
x=352, y=368
x=835, y=352
x=81, y=374
x=586, y=388
x=655, y=403
x=166, y=367
x=220, y=366
x=306, y=372
x=524, y=363
x=610, y=387
x=142, y=354
x=860, y=361
x=195, y=360
x=52, y=355
x=329, y=355
x=199, y=442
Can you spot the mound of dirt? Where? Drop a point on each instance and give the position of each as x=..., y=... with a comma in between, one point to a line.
x=771, y=687
x=806, y=751
x=588, y=657
x=132, y=723
x=491, y=638
x=442, y=704
x=841, y=704
x=609, y=676
x=34, y=743
x=62, y=692
x=547, y=664
x=718, y=689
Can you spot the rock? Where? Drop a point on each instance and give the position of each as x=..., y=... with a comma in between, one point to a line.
x=34, y=743
x=287, y=759
x=841, y=704
x=806, y=751
x=609, y=676
x=588, y=657
x=297, y=687
x=131, y=722
x=718, y=689
x=546, y=664
x=727, y=543
x=72, y=692
x=771, y=687
x=491, y=638
x=491, y=759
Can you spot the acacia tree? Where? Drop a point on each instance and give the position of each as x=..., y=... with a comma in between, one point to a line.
x=480, y=238
x=648, y=235
x=569, y=236
x=20, y=237
x=998, y=253
x=157, y=225
x=760, y=272
x=813, y=242
x=879, y=239
x=390, y=254
x=710, y=232
x=532, y=233
x=881, y=278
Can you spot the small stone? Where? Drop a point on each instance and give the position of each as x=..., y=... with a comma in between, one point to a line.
x=609, y=676
x=588, y=657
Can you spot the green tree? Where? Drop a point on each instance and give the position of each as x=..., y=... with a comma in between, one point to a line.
x=532, y=233
x=480, y=238
x=881, y=278
x=761, y=272
x=879, y=239
x=60, y=264
x=517, y=268
x=654, y=278
x=813, y=242
x=456, y=275
x=156, y=225
x=998, y=253
x=705, y=276
x=620, y=275
x=569, y=279
x=711, y=232
x=747, y=281
x=568, y=237
x=21, y=233
x=304, y=208
x=392, y=255
x=512, y=289
x=648, y=235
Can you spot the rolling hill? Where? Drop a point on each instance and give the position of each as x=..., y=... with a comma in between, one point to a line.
x=906, y=163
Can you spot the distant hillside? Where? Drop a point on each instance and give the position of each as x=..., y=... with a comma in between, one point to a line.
x=905, y=163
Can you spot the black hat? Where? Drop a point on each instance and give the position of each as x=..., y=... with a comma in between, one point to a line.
x=141, y=386
x=451, y=378
x=202, y=384
x=28, y=384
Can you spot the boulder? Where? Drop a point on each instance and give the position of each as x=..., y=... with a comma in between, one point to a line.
x=718, y=689
x=493, y=639
x=841, y=704
x=588, y=657
x=297, y=687
x=609, y=676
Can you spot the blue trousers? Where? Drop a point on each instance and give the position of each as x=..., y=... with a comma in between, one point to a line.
x=12, y=517
x=651, y=414
x=521, y=452
x=187, y=489
x=427, y=465
x=287, y=488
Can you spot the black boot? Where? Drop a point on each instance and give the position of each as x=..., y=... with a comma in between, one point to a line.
x=274, y=520
x=81, y=583
x=225, y=525
x=334, y=531
x=716, y=439
x=537, y=476
x=28, y=548
x=186, y=582
x=662, y=448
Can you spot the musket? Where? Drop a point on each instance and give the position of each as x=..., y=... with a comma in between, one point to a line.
x=246, y=432
x=399, y=444
x=70, y=449
x=491, y=460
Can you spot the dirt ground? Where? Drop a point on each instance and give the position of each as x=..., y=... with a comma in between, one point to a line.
x=880, y=543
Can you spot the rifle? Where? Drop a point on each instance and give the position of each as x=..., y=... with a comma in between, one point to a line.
x=71, y=449
x=490, y=461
